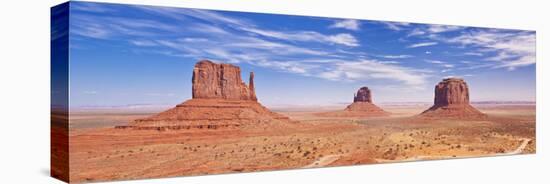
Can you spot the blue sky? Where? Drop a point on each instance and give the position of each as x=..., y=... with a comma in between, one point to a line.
x=127, y=54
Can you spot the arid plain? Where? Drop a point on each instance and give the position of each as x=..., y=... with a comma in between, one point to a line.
x=100, y=152
x=224, y=128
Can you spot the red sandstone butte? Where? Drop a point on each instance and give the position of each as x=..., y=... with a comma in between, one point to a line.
x=452, y=100
x=221, y=81
x=362, y=106
x=220, y=99
x=363, y=95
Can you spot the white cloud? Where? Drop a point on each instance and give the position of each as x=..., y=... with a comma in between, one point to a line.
x=442, y=28
x=396, y=26
x=289, y=66
x=397, y=56
x=448, y=65
x=473, y=54
x=442, y=64
x=372, y=69
x=389, y=62
x=509, y=49
x=504, y=48
x=423, y=44
x=432, y=30
x=90, y=7
x=445, y=70
x=435, y=61
x=143, y=43
x=344, y=39
x=245, y=25
x=214, y=38
x=347, y=24
x=101, y=27
x=91, y=30
x=416, y=32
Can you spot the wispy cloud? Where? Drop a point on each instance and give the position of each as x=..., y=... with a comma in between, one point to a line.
x=202, y=34
x=423, y=44
x=442, y=28
x=435, y=61
x=403, y=56
x=432, y=30
x=350, y=24
x=249, y=26
x=143, y=43
x=473, y=54
x=443, y=64
x=245, y=25
x=448, y=65
x=504, y=48
x=396, y=26
x=373, y=69
x=508, y=49
x=342, y=38
x=221, y=38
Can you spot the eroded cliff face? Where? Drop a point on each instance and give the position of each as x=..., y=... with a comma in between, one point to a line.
x=452, y=100
x=221, y=81
x=451, y=91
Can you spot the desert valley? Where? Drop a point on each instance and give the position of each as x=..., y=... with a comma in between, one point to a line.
x=224, y=129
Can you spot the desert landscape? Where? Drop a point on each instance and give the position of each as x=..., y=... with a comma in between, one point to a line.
x=225, y=129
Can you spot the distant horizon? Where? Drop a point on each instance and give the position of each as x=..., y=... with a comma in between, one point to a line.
x=132, y=54
x=145, y=106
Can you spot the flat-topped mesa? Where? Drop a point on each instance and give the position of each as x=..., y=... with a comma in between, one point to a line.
x=362, y=95
x=452, y=100
x=220, y=81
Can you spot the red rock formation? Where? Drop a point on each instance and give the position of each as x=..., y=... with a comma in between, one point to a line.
x=362, y=95
x=220, y=81
x=251, y=87
x=362, y=106
x=220, y=99
x=452, y=100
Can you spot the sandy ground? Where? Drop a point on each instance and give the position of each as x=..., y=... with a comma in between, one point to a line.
x=100, y=152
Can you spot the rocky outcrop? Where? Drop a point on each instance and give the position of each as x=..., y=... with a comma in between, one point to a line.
x=251, y=88
x=362, y=95
x=452, y=100
x=220, y=100
x=451, y=91
x=221, y=81
x=362, y=106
